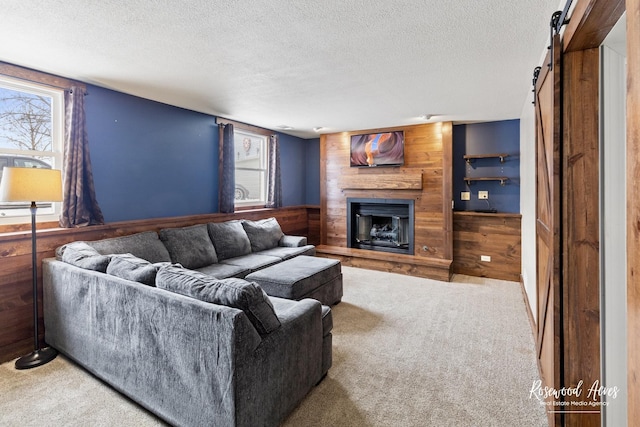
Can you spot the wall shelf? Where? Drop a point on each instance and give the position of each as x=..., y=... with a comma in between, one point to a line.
x=469, y=158
x=503, y=179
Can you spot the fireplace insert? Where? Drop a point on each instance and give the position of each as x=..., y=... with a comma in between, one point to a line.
x=380, y=224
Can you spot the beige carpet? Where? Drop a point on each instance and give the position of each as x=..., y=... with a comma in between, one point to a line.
x=407, y=352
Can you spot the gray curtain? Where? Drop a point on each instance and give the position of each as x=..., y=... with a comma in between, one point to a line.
x=274, y=189
x=79, y=205
x=226, y=170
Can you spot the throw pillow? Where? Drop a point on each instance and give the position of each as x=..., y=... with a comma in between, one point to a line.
x=232, y=292
x=263, y=234
x=84, y=256
x=130, y=267
x=229, y=239
x=145, y=245
x=189, y=246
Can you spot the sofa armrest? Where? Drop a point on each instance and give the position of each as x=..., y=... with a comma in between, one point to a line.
x=285, y=366
x=292, y=241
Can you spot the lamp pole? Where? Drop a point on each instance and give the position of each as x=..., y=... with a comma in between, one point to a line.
x=39, y=356
x=34, y=273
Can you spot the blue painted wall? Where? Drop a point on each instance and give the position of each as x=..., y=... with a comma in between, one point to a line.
x=485, y=138
x=154, y=160
x=312, y=171
x=292, y=160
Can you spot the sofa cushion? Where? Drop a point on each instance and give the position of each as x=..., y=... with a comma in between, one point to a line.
x=252, y=262
x=189, y=246
x=232, y=292
x=129, y=267
x=145, y=245
x=229, y=239
x=84, y=256
x=263, y=234
x=223, y=271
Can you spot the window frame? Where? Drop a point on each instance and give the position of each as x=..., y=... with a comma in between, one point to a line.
x=262, y=169
x=257, y=132
x=57, y=141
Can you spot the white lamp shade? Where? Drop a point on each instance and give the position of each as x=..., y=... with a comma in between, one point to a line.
x=31, y=185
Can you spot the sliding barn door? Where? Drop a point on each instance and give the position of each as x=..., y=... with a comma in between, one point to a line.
x=548, y=232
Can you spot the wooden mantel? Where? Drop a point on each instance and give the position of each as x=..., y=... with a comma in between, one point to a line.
x=376, y=181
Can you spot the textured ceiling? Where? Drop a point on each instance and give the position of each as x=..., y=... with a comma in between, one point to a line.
x=338, y=64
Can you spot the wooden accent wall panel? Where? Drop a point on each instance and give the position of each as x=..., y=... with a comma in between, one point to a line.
x=633, y=210
x=16, y=304
x=496, y=235
x=581, y=226
x=427, y=154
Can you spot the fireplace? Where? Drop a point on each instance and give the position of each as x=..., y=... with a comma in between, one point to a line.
x=380, y=224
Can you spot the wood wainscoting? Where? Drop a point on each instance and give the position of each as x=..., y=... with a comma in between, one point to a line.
x=16, y=303
x=313, y=225
x=496, y=235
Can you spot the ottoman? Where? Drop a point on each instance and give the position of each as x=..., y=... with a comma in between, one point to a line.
x=302, y=277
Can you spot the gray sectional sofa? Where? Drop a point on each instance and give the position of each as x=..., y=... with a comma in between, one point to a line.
x=167, y=319
x=225, y=249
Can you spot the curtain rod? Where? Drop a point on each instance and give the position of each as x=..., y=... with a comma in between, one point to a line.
x=245, y=126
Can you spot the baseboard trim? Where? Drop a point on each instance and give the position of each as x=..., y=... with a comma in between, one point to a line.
x=525, y=297
x=533, y=325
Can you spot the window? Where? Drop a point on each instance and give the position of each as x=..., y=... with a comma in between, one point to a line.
x=31, y=135
x=251, y=168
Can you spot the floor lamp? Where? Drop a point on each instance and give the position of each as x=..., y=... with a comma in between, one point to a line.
x=32, y=185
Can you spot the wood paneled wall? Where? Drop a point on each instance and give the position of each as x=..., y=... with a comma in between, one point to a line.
x=495, y=235
x=16, y=303
x=425, y=178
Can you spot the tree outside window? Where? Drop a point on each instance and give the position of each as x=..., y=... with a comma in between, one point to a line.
x=25, y=120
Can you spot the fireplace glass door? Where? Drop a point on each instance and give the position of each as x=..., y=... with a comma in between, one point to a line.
x=383, y=230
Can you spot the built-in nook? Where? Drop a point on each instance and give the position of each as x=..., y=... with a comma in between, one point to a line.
x=380, y=224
